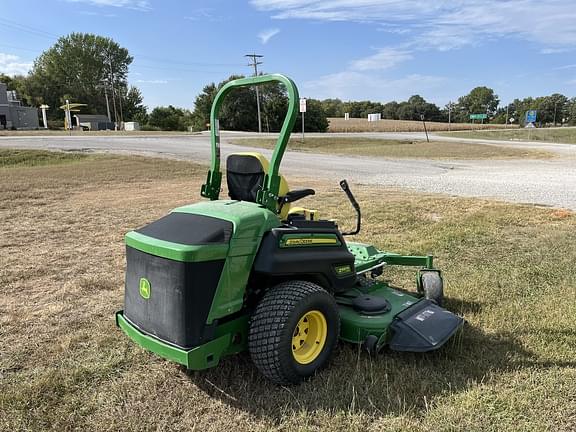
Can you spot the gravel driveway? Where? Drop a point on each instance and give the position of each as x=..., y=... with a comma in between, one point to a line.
x=543, y=182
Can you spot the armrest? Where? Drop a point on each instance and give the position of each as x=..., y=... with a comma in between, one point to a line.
x=296, y=195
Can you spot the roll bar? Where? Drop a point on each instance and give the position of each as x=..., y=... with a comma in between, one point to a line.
x=268, y=195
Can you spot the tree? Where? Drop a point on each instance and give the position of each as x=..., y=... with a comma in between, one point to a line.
x=390, y=110
x=314, y=119
x=333, y=107
x=81, y=67
x=361, y=109
x=20, y=84
x=202, y=106
x=239, y=112
x=481, y=100
x=133, y=109
x=416, y=107
x=170, y=118
x=551, y=109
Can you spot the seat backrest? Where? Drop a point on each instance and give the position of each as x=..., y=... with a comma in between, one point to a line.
x=245, y=177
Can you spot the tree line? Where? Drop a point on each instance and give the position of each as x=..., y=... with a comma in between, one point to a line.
x=91, y=69
x=555, y=109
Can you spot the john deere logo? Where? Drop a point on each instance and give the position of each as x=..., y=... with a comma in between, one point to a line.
x=145, y=288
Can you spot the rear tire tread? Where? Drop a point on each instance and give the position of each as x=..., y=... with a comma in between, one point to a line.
x=267, y=327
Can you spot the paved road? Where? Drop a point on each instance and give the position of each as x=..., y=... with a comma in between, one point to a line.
x=545, y=182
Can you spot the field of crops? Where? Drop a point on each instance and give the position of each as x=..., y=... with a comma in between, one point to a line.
x=338, y=124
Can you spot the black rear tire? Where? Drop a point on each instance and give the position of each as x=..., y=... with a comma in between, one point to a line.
x=273, y=326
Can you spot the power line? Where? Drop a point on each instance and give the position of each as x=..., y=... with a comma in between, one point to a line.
x=27, y=29
x=255, y=63
x=138, y=65
x=19, y=48
x=200, y=64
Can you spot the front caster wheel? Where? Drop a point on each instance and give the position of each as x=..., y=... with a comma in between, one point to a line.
x=432, y=286
x=293, y=331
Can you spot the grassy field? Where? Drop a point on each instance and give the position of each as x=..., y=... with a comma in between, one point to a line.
x=64, y=366
x=556, y=135
x=10, y=158
x=338, y=124
x=399, y=148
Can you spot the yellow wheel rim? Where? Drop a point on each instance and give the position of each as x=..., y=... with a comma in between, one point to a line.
x=309, y=337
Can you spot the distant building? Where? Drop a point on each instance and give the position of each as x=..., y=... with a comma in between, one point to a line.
x=93, y=122
x=131, y=126
x=13, y=115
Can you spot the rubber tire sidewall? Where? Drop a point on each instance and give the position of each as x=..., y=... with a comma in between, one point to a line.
x=433, y=287
x=324, y=303
x=272, y=326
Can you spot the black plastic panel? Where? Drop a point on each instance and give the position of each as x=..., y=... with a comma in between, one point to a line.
x=181, y=295
x=189, y=229
x=319, y=261
x=425, y=326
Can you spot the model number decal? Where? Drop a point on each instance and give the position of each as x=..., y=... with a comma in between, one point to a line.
x=310, y=241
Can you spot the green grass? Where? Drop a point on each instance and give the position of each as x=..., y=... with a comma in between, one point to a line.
x=19, y=158
x=554, y=135
x=398, y=148
x=509, y=270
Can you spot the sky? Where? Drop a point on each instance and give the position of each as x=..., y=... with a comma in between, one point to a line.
x=379, y=50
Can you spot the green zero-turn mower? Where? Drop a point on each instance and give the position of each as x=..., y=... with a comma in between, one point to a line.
x=253, y=273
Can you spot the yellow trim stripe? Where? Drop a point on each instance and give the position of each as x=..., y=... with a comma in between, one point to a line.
x=310, y=241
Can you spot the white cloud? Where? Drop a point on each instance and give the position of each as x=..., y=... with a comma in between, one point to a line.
x=204, y=14
x=266, y=35
x=140, y=5
x=13, y=65
x=385, y=58
x=155, y=81
x=99, y=14
x=446, y=24
x=349, y=85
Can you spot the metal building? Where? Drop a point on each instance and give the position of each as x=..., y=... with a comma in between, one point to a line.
x=93, y=122
x=13, y=115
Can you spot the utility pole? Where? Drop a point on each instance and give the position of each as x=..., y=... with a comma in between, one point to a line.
x=113, y=95
x=255, y=64
x=107, y=102
x=449, y=115
x=555, y=104
x=506, y=123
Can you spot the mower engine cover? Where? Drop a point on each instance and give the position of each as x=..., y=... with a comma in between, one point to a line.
x=170, y=298
x=189, y=269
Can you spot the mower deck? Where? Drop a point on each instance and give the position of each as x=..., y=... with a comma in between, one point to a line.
x=371, y=311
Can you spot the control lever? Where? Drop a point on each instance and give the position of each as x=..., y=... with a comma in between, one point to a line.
x=348, y=192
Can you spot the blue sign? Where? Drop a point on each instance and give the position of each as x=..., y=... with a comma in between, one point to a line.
x=531, y=116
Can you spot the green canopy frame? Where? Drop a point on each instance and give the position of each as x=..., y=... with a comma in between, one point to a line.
x=268, y=195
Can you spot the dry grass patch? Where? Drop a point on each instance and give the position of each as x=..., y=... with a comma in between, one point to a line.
x=338, y=124
x=399, y=148
x=65, y=366
x=554, y=135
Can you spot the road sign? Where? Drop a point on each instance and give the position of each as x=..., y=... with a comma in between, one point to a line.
x=478, y=116
x=302, y=105
x=531, y=116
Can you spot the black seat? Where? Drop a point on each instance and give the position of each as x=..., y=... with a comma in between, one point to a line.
x=244, y=176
